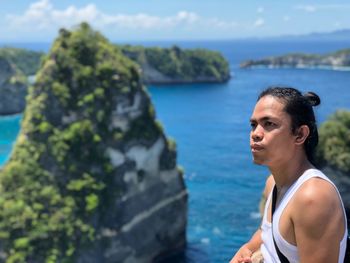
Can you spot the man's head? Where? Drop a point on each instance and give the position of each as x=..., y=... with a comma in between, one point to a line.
x=291, y=109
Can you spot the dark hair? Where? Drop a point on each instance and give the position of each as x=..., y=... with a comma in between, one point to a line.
x=299, y=107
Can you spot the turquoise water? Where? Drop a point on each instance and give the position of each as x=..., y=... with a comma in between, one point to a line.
x=9, y=127
x=210, y=124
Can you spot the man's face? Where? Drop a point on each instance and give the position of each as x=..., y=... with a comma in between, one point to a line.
x=271, y=139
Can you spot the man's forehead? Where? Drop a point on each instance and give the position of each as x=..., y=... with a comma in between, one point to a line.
x=270, y=102
x=268, y=107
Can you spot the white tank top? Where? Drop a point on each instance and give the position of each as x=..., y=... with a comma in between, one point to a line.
x=290, y=251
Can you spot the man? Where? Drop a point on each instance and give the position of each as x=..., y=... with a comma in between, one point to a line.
x=309, y=222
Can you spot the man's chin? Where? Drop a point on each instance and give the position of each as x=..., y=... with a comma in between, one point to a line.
x=258, y=161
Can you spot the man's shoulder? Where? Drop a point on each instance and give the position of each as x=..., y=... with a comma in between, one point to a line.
x=315, y=200
x=316, y=190
x=317, y=209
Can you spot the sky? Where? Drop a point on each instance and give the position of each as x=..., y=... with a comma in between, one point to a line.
x=142, y=20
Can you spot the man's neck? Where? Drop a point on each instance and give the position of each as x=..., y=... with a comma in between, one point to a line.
x=286, y=174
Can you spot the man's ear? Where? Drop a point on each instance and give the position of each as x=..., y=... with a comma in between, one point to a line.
x=302, y=134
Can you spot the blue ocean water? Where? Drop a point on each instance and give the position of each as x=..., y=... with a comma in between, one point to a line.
x=9, y=127
x=210, y=123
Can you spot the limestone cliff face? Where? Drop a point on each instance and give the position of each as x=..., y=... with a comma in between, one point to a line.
x=175, y=65
x=92, y=177
x=13, y=90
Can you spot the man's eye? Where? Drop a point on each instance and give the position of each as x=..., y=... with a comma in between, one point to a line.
x=269, y=124
x=253, y=125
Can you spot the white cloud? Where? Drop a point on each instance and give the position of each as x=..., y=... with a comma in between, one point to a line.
x=145, y=21
x=314, y=8
x=42, y=15
x=221, y=24
x=43, y=5
x=334, y=6
x=337, y=24
x=36, y=14
x=307, y=8
x=286, y=18
x=259, y=22
x=260, y=10
x=73, y=15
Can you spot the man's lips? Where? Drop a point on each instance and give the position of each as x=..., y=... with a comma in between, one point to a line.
x=256, y=147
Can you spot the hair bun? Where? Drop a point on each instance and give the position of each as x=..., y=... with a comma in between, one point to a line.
x=312, y=98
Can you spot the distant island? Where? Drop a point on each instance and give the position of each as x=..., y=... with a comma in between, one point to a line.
x=320, y=36
x=156, y=65
x=175, y=65
x=335, y=60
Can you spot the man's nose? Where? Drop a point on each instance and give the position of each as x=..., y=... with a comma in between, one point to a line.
x=257, y=134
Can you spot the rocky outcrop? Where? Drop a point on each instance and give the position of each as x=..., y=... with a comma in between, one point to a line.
x=92, y=177
x=151, y=75
x=13, y=89
x=340, y=59
x=26, y=61
x=157, y=66
x=177, y=66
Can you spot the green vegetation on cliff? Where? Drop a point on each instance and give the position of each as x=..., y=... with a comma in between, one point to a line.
x=345, y=52
x=58, y=183
x=26, y=61
x=181, y=65
x=334, y=144
x=177, y=65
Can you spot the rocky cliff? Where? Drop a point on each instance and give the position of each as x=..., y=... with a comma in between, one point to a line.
x=13, y=88
x=175, y=65
x=92, y=177
x=158, y=66
x=339, y=59
x=27, y=61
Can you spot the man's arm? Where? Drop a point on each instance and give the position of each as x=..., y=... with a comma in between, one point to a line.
x=246, y=251
x=269, y=184
x=319, y=222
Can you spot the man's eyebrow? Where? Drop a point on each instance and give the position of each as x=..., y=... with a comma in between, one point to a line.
x=265, y=118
